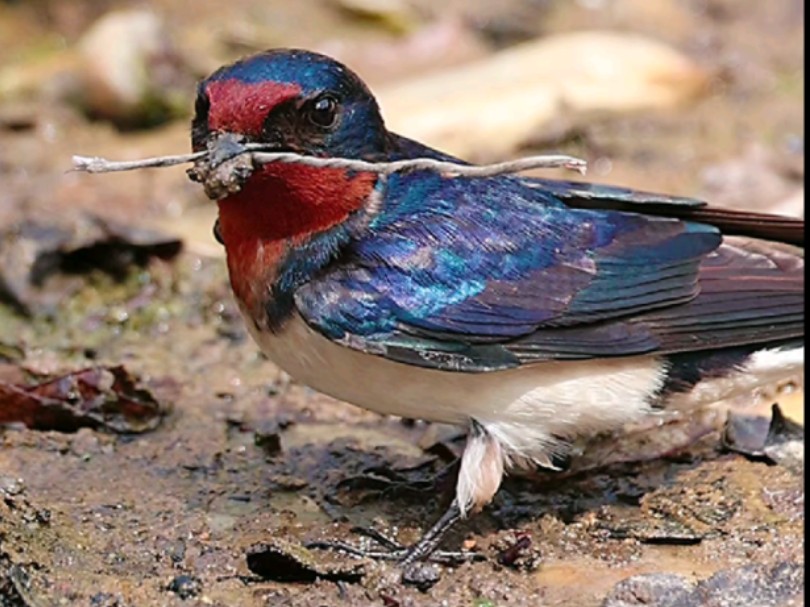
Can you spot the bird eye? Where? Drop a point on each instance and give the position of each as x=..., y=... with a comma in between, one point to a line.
x=323, y=111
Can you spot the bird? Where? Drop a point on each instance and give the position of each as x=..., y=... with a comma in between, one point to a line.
x=528, y=311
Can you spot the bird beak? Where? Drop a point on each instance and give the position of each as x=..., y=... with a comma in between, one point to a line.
x=224, y=146
x=226, y=167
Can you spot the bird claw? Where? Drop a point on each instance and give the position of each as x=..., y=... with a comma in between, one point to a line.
x=388, y=549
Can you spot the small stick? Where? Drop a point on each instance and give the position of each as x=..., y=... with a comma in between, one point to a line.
x=101, y=165
x=429, y=164
x=95, y=164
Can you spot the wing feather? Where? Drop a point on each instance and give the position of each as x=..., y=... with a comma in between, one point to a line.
x=478, y=275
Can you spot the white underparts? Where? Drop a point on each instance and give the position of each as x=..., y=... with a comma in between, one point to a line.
x=523, y=413
x=763, y=368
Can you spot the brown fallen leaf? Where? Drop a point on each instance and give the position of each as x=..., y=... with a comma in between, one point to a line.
x=96, y=397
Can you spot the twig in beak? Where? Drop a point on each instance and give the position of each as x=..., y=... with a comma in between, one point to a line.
x=95, y=164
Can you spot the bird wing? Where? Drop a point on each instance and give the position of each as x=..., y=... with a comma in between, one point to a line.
x=484, y=274
x=584, y=195
x=730, y=221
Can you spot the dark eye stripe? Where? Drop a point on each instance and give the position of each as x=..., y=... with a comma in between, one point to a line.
x=199, y=124
x=202, y=105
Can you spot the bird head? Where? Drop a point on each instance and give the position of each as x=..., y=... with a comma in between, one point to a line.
x=290, y=100
x=287, y=100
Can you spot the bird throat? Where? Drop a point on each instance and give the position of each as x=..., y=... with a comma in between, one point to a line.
x=285, y=224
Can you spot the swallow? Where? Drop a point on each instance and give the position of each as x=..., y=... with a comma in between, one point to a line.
x=528, y=311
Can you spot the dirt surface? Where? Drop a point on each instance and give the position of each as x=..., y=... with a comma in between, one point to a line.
x=238, y=461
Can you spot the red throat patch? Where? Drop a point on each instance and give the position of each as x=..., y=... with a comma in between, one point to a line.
x=279, y=208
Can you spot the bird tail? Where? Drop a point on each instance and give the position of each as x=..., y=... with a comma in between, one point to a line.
x=700, y=378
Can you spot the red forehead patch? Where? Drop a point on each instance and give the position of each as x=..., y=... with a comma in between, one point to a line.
x=241, y=107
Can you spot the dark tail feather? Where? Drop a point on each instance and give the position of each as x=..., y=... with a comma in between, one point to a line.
x=789, y=230
x=780, y=228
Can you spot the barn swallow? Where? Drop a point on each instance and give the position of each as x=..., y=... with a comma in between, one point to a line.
x=529, y=311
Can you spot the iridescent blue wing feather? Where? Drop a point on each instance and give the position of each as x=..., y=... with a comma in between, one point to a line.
x=483, y=274
x=604, y=197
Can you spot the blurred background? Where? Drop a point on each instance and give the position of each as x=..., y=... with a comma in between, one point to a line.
x=114, y=301
x=701, y=98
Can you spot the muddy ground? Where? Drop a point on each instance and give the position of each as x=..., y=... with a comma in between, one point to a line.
x=213, y=454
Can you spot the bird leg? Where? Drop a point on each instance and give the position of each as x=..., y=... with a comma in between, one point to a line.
x=479, y=478
x=391, y=550
x=427, y=544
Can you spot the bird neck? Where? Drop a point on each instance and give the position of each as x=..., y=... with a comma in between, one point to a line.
x=285, y=225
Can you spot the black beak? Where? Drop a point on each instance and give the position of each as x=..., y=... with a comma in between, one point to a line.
x=223, y=147
x=226, y=167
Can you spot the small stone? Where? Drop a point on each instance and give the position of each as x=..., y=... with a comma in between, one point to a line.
x=177, y=551
x=85, y=443
x=104, y=599
x=657, y=589
x=421, y=575
x=11, y=486
x=131, y=72
x=761, y=585
x=185, y=586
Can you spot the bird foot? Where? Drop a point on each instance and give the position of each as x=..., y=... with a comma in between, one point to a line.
x=414, y=561
x=388, y=549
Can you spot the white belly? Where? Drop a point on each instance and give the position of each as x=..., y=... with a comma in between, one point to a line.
x=524, y=408
x=525, y=411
